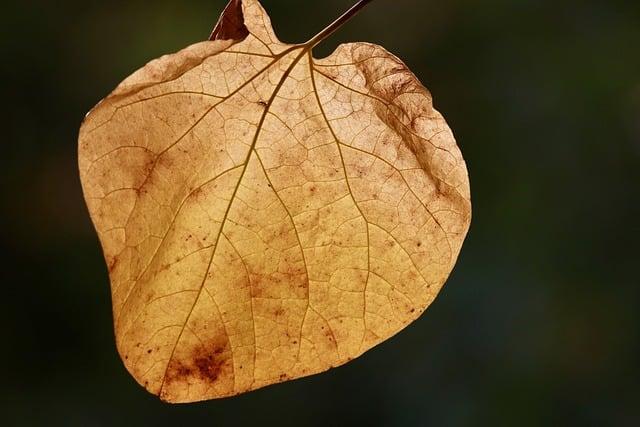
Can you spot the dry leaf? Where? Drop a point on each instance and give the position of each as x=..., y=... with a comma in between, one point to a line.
x=266, y=215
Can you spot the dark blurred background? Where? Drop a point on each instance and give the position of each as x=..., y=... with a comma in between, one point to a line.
x=539, y=323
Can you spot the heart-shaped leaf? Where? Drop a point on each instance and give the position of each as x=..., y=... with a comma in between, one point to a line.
x=265, y=215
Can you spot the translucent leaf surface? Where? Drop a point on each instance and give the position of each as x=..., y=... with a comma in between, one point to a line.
x=266, y=215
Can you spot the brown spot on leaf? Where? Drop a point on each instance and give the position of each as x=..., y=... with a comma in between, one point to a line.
x=205, y=365
x=257, y=283
x=209, y=367
x=113, y=263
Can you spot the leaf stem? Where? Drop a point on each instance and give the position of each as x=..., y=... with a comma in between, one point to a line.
x=335, y=25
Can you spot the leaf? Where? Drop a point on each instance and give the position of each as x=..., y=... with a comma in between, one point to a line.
x=265, y=215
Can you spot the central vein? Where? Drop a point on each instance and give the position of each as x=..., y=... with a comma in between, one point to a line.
x=304, y=50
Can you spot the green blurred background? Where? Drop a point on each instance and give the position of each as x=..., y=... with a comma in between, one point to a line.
x=539, y=323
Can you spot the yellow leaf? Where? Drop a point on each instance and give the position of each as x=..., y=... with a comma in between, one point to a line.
x=266, y=215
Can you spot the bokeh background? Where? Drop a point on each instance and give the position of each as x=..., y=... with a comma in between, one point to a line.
x=539, y=323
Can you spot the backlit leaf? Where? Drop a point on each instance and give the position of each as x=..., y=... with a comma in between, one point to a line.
x=266, y=215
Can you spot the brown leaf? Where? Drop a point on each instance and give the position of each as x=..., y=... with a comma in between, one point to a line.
x=265, y=215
